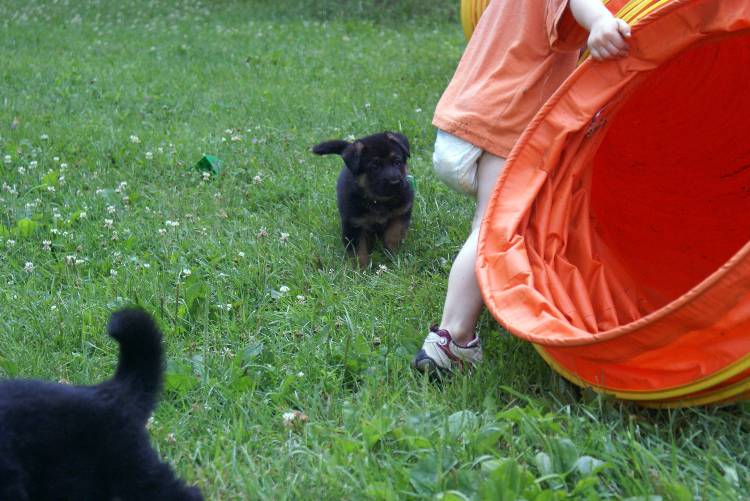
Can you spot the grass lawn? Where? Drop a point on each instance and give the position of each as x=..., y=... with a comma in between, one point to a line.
x=105, y=107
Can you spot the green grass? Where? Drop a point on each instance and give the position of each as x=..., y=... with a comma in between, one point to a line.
x=256, y=83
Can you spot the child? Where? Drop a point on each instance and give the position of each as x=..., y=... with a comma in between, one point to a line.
x=520, y=52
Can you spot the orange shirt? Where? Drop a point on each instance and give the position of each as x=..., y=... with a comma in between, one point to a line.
x=519, y=54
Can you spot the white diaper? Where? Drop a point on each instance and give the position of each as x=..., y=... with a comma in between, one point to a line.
x=455, y=162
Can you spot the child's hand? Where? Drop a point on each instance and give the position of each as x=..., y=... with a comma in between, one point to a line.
x=608, y=38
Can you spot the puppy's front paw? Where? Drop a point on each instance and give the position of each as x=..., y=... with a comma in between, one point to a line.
x=395, y=233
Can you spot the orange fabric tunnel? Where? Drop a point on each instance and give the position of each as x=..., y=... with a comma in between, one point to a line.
x=617, y=239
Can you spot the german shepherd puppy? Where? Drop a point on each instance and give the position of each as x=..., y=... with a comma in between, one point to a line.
x=62, y=442
x=373, y=194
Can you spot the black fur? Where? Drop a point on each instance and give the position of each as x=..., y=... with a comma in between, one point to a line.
x=373, y=195
x=61, y=442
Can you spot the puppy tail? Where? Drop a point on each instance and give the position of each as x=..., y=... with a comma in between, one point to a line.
x=336, y=146
x=140, y=369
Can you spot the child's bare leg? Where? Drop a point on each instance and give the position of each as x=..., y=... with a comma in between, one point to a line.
x=463, y=301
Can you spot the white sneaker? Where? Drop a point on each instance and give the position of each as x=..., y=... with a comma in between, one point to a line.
x=440, y=354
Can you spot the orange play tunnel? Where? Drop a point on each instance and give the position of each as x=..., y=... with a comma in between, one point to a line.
x=471, y=11
x=617, y=239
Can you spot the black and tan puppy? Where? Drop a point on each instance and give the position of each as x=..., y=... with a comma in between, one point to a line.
x=373, y=194
x=62, y=442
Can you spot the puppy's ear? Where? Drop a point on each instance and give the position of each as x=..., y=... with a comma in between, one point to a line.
x=336, y=146
x=400, y=140
x=352, y=155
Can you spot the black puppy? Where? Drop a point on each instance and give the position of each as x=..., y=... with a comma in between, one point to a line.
x=60, y=442
x=373, y=195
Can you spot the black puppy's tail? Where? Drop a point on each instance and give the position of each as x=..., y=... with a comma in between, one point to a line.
x=336, y=146
x=140, y=369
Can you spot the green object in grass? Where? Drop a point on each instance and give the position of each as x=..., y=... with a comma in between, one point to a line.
x=412, y=181
x=209, y=163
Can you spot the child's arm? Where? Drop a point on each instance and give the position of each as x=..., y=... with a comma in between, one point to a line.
x=607, y=34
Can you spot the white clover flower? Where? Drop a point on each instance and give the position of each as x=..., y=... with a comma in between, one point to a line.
x=263, y=232
x=111, y=209
x=206, y=175
x=284, y=237
x=146, y=265
x=44, y=137
x=367, y=105
x=47, y=245
x=33, y=164
x=162, y=231
x=257, y=180
x=28, y=267
x=63, y=166
x=236, y=137
x=135, y=139
x=99, y=191
x=283, y=289
x=108, y=223
x=227, y=131
x=54, y=231
x=115, y=236
x=301, y=299
x=185, y=272
x=79, y=261
x=53, y=307
x=418, y=110
x=83, y=215
x=7, y=159
x=70, y=260
x=10, y=243
x=113, y=272
x=173, y=224
x=55, y=159
x=241, y=254
x=51, y=189
x=293, y=418
x=381, y=269
x=21, y=171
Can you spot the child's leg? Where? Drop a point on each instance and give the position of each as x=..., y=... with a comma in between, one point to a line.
x=453, y=343
x=463, y=301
